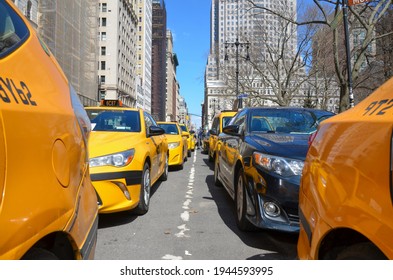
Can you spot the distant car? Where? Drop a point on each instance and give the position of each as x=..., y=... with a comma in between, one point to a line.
x=184, y=128
x=48, y=206
x=220, y=120
x=259, y=161
x=177, y=143
x=128, y=154
x=346, y=192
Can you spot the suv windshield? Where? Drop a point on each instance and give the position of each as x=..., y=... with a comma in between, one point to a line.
x=283, y=120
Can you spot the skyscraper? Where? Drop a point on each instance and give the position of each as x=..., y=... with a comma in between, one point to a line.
x=144, y=59
x=158, y=89
x=239, y=30
x=117, y=50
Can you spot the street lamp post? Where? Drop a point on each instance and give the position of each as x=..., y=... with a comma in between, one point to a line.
x=237, y=44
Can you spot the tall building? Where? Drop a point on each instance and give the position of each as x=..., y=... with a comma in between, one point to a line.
x=144, y=59
x=238, y=30
x=29, y=8
x=69, y=28
x=172, y=85
x=117, y=50
x=158, y=89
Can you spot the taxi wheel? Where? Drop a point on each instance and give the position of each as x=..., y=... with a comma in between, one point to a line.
x=189, y=153
x=144, y=198
x=361, y=251
x=241, y=204
x=164, y=175
x=39, y=254
x=217, y=181
x=211, y=159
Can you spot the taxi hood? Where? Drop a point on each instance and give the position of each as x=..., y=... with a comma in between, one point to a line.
x=105, y=143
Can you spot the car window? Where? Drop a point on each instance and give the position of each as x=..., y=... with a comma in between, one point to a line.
x=13, y=31
x=149, y=121
x=240, y=120
x=216, y=125
x=184, y=128
x=225, y=121
x=115, y=121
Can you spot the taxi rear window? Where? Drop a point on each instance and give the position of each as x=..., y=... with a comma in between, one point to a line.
x=13, y=31
x=114, y=120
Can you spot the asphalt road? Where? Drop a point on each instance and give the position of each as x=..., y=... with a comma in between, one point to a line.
x=191, y=219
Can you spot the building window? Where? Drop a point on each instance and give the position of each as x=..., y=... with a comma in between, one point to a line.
x=103, y=22
x=102, y=79
x=28, y=9
x=104, y=7
x=103, y=65
x=103, y=50
x=103, y=36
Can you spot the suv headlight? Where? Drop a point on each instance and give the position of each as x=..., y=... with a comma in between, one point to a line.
x=173, y=145
x=279, y=165
x=118, y=160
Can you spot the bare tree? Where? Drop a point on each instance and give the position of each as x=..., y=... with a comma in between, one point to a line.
x=363, y=20
x=279, y=58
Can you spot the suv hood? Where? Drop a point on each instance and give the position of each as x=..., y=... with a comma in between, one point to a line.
x=281, y=144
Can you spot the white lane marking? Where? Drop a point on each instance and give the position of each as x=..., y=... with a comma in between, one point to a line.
x=183, y=229
x=185, y=215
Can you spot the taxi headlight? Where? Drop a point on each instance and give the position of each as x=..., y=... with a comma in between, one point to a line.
x=173, y=145
x=118, y=159
x=279, y=165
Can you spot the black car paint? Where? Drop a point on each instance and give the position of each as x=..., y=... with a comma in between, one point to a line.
x=236, y=152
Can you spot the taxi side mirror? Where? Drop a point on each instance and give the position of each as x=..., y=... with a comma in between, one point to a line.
x=156, y=130
x=186, y=134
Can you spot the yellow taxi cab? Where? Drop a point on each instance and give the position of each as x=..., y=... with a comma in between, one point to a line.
x=187, y=133
x=193, y=140
x=346, y=192
x=220, y=120
x=177, y=143
x=128, y=155
x=48, y=206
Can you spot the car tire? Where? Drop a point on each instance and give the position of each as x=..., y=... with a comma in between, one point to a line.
x=39, y=254
x=211, y=159
x=217, y=181
x=241, y=203
x=164, y=175
x=361, y=251
x=144, y=197
x=189, y=153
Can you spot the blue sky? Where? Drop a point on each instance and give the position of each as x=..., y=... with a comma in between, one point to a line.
x=189, y=22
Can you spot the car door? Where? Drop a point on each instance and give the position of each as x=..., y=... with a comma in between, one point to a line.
x=156, y=149
x=230, y=151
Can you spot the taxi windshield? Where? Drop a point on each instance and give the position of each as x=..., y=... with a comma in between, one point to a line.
x=169, y=128
x=114, y=120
